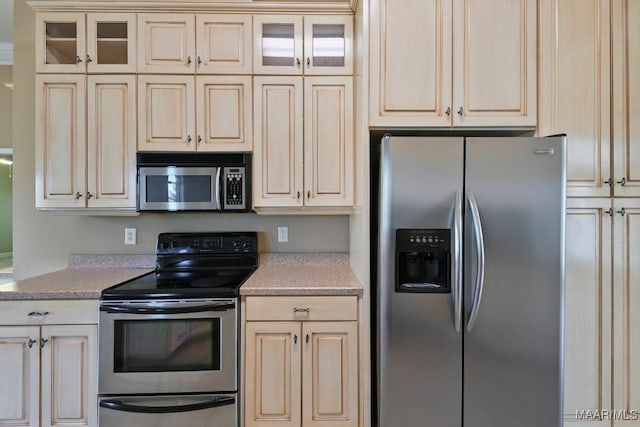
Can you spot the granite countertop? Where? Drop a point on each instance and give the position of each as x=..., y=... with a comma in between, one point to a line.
x=303, y=274
x=71, y=283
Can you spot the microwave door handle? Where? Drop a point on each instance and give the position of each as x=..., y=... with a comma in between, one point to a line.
x=120, y=405
x=218, y=188
x=128, y=309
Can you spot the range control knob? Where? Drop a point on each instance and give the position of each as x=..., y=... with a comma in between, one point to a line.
x=164, y=244
x=236, y=243
x=175, y=244
x=245, y=244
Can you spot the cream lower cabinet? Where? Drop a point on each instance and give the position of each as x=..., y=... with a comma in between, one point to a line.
x=442, y=63
x=186, y=113
x=298, y=371
x=49, y=372
x=85, y=142
x=303, y=151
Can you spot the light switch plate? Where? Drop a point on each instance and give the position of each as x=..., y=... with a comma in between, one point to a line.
x=129, y=236
x=283, y=234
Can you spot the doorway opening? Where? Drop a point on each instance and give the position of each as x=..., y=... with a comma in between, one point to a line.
x=6, y=215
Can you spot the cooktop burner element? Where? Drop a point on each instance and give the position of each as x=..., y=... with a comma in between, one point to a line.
x=194, y=265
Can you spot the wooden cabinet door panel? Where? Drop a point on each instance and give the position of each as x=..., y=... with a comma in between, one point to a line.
x=328, y=153
x=277, y=44
x=575, y=35
x=411, y=69
x=60, y=42
x=330, y=374
x=272, y=385
x=111, y=43
x=166, y=43
x=111, y=141
x=166, y=113
x=626, y=97
x=278, y=144
x=20, y=376
x=60, y=141
x=225, y=113
x=328, y=44
x=69, y=375
x=588, y=310
x=494, y=63
x=224, y=44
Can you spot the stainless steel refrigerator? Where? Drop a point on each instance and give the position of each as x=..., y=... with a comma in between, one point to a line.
x=470, y=282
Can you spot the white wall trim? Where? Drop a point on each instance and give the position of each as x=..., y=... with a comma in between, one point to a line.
x=6, y=53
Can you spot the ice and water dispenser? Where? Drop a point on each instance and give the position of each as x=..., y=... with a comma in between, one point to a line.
x=423, y=260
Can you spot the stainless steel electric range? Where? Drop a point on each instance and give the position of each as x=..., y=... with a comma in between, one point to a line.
x=169, y=339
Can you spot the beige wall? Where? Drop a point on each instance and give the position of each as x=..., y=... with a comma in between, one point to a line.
x=6, y=113
x=42, y=242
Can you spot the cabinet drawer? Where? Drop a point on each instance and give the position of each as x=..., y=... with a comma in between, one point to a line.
x=59, y=312
x=302, y=308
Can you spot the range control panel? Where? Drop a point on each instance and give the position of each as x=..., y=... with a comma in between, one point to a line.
x=202, y=243
x=234, y=188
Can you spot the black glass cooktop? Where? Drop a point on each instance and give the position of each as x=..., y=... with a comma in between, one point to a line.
x=194, y=265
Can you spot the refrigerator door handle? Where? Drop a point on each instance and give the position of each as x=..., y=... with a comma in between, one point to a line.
x=457, y=261
x=479, y=237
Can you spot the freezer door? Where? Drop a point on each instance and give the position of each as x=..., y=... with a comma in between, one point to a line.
x=513, y=334
x=419, y=351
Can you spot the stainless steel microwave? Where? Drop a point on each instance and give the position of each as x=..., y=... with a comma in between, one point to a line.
x=174, y=182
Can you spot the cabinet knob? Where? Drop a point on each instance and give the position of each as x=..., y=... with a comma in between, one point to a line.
x=608, y=182
x=89, y=195
x=89, y=59
x=78, y=60
x=622, y=211
x=43, y=342
x=623, y=181
x=448, y=111
x=460, y=111
x=298, y=62
x=308, y=62
x=609, y=212
x=78, y=195
x=188, y=60
x=188, y=139
x=199, y=140
x=31, y=342
x=199, y=60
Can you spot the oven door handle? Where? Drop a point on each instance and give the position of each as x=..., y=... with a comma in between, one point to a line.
x=136, y=309
x=120, y=405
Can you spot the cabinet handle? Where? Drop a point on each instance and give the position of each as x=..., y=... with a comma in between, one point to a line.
x=78, y=60
x=38, y=313
x=306, y=339
x=43, y=342
x=78, y=195
x=308, y=194
x=295, y=339
x=89, y=59
x=89, y=195
x=188, y=60
x=623, y=181
x=199, y=140
x=609, y=212
x=188, y=139
x=301, y=310
x=608, y=182
x=298, y=61
x=460, y=111
x=199, y=60
x=298, y=195
x=31, y=342
x=622, y=211
x=448, y=111
x=308, y=62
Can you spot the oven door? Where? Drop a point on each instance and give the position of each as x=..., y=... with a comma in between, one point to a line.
x=173, y=188
x=177, y=346
x=169, y=411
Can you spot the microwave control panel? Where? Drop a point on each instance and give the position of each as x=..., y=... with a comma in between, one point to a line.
x=234, y=188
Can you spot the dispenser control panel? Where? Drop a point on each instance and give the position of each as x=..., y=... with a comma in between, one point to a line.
x=423, y=260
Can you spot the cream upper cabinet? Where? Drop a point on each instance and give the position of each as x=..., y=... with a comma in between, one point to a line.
x=295, y=167
x=588, y=311
x=461, y=64
x=85, y=163
x=626, y=315
x=301, y=363
x=171, y=43
x=575, y=88
x=186, y=113
x=20, y=373
x=626, y=97
x=79, y=43
x=293, y=44
x=49, y=370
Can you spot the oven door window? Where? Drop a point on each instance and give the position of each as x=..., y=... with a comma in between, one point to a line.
x=167, y=345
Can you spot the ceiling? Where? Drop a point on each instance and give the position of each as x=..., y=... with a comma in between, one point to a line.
x=6, y=21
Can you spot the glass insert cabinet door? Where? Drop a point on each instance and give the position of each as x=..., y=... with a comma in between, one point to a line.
x=80, y=43
x=313, y=44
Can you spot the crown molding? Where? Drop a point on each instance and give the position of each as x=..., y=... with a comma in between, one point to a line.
x=6, y=53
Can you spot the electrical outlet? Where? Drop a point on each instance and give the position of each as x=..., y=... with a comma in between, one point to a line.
x=283, y=234
x=129, y=236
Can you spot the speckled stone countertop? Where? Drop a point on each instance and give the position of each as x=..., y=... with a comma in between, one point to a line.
x=72, y=283
x=303, y=274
